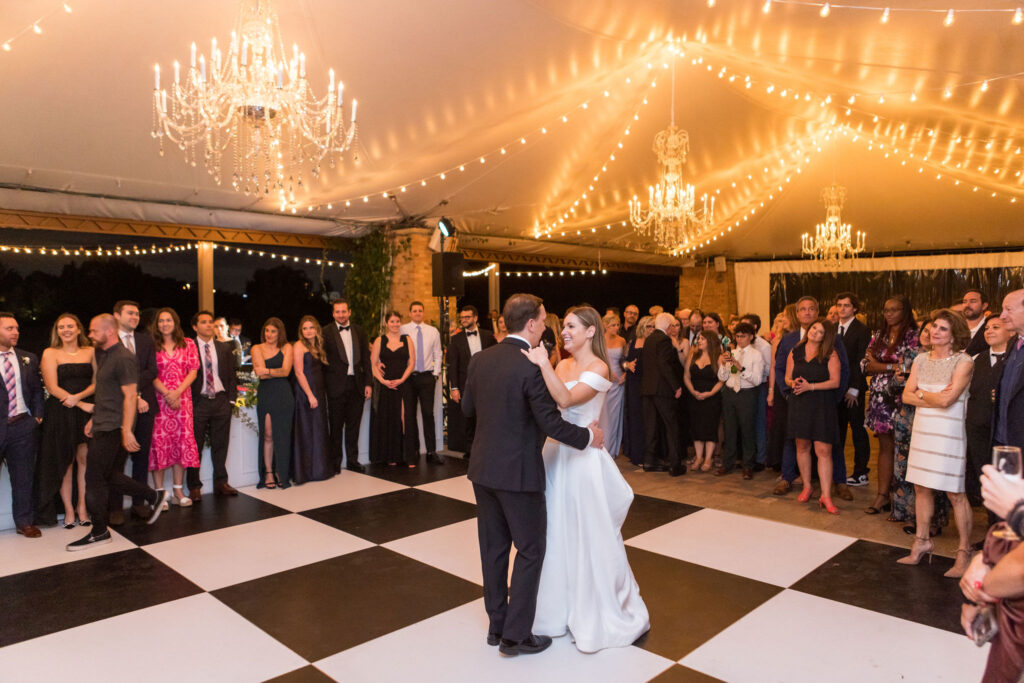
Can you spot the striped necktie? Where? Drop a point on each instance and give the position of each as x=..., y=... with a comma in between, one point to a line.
x=11, y=382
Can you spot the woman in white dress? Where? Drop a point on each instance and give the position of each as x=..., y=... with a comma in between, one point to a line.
x=586, y=586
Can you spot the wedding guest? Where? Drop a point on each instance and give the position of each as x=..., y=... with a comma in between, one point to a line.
x=495, y=314
x=216, y=388
x=981, y=399
x=633, y=405
x=243, y=343
x=890, y=350
x=761, y=404
x=701, y=380
x=174, y=443
x=833, y=314
x=975, y=311
x=348, y=382
x=681, y=344
x=423, y=382
x=660, y=388
x=552, y=338
x=683, y=316
x=222, y=331
x=654, y=311
x=392, y=432
x=630, y=316
x=22, y=403
x=115, y=409
x=502, y=332
x=785, y=322
x=855, y=337
x=713, y=323
x=812, y=373
x=311, y=455
x=611, y=411
x=696, y=325
x=275, y=405
x=68, y=366
x=463, y=346
x=938, y=459
x=742, y=371
x=140, y=343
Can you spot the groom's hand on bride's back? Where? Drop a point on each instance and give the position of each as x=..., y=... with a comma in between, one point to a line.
x=598, y=440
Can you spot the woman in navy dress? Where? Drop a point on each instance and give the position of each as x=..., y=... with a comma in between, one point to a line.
x=311, y=459
x=633, y=415
x=275, y=405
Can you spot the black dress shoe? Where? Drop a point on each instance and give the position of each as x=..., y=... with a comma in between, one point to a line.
x=653, y=468
x=356, y=467
x=435, y=459
x=493, y=638
x=530, y=646
x=676, y=471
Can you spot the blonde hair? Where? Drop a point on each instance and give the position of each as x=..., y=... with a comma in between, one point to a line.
x=317, y=348
x=642, y=324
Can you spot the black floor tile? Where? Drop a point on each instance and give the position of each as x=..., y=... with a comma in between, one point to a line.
x=690, y=604
x=210, y=514
x=323, y=608
x=866, y=575
x=52, y=599
x=394, y=515
x=423, y=473
x=648, y=513
x=681, y=674
x=307, y=674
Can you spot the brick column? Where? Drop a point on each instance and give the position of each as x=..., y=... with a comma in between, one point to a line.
x=413, y=277
x=719, y=289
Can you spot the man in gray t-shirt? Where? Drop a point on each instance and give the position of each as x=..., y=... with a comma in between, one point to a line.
x=110, y=429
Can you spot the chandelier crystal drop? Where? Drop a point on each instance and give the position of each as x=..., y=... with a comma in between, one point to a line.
x=833, y=240
x=257, y=101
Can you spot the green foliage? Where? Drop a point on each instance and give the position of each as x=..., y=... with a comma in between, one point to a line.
x=368, y=283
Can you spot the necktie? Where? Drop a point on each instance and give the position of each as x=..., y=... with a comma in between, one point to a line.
x=208, y=366
x=842, y=330
x=419, y=348
x=129, y=342
x=473, y=334
x=12, y=386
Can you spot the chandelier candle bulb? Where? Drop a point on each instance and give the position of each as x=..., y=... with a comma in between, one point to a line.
x=156, y=77
x=177, y=72
x=193, y=55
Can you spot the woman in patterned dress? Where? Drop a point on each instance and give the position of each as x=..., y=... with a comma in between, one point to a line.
x=174, y=442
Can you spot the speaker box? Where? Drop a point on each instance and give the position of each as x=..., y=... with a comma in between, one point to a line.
x=719, y=264
x=448, y=279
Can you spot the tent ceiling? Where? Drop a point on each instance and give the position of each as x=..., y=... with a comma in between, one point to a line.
x=443, y=82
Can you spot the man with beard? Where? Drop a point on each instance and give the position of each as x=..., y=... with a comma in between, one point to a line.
x=975, y=310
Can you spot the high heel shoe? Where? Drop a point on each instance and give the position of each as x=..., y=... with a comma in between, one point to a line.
x=921, y=547
x=963, y=560
x=826, y=503
x=805, y=495
x=179, y=498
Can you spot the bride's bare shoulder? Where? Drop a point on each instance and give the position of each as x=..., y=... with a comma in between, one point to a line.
x=598, y=367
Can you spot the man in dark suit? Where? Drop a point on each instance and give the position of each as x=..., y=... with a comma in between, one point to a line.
x=507, y=395
x=140, y=343
x=630, y=316
x=855, y=337
x=660, y=388
x=213, y=392
x=21, y=404
x=988, y=370
x=1008, y=427
x=348, y=378
x=242, y=343
x=462, y=347
x=975, y=303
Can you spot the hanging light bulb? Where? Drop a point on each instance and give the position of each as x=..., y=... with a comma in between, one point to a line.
x=767, y=6
x=885, y=16
x=1018, y=16
x=950, y=15
x=826, y=9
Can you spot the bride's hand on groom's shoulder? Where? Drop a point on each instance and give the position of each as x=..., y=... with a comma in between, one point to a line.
x=538, y=355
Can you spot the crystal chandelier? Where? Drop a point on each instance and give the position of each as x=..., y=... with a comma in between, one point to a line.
x=672, y=217
x=832, y=241
x=257, y=101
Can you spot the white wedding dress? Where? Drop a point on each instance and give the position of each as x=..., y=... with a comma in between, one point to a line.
x=586, y=584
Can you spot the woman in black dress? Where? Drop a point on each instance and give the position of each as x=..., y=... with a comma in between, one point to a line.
x=68, y=367
x=701, y=380
x=633, y=412
x=812, y=372
x=275, y=405
x=392, y=359
x=311, y=460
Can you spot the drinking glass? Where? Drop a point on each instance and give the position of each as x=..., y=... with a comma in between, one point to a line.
x=1007, y=461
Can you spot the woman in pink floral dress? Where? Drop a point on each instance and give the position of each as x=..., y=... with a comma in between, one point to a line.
x=174, y=443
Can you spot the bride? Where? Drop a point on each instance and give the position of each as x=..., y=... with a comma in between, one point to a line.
x=586, y=585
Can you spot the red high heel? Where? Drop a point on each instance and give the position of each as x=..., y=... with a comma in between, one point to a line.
x=805, y=495
x=826, y=503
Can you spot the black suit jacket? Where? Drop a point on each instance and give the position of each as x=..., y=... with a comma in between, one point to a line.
x=981, y=400
x=145, y=354
x=514, y=412
x=1015, y=399
x=31, y=388
x=659, y=359
x=459, y=356
x=227, y=364
x=855, y=343
x=338, y=362
x=978, y=343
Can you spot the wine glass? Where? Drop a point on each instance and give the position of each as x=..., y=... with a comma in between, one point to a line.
x=1007, y=461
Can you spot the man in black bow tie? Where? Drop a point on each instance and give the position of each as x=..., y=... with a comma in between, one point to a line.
x=463, y=346
x=988, y=371
x=347, y=376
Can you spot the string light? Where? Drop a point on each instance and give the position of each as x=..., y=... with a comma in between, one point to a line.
x=36, y=27
x=947, y=20
x=551, y=273
x=154, y=250
x=482, y=271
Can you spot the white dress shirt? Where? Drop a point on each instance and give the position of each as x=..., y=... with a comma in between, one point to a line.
x=979, y=326
x=218, y=386
x=431, y=345
x=12, y=357
x=128, y=340
x=474, y=341
x=762, y=345
x=346, y=341
x=751, y=369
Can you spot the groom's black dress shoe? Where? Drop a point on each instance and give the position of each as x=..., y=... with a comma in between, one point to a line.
x=493, y=638
x=530, y=646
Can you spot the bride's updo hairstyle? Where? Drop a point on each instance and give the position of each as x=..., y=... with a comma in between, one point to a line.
x=591, y=318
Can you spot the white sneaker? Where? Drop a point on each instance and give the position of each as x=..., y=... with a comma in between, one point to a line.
x=862, y=480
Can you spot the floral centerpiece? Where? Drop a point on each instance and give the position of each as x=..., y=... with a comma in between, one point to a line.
x=248, y=388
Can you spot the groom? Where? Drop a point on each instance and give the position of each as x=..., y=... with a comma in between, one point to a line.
x=514, y=412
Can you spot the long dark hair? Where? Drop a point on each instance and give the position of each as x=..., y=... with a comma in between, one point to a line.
x=714, y=347
x=828, y=342
x=178, y=335
x=905, y=323
x=282, y=336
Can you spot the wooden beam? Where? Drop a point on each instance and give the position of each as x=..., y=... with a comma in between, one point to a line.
x=540, y=261
x=33, y=220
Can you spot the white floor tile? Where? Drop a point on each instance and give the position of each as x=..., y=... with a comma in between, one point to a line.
x=20, y=554
x=826, y=640
x=460, y=488
x=452, y=647
x=316, y=494
x=775, y=553
x=224, y=557
x=196, y=637
x=454, y=548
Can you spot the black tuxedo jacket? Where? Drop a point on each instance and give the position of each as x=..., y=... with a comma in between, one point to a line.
x=659, y=358
x=1015, y=398
x=338, y=362
x=31, y=388
x=855, y=343
x=514, y=412
x=145, y=354
x=458, y=357
x=981, y=400
x=978, y=343
x=227, y=364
